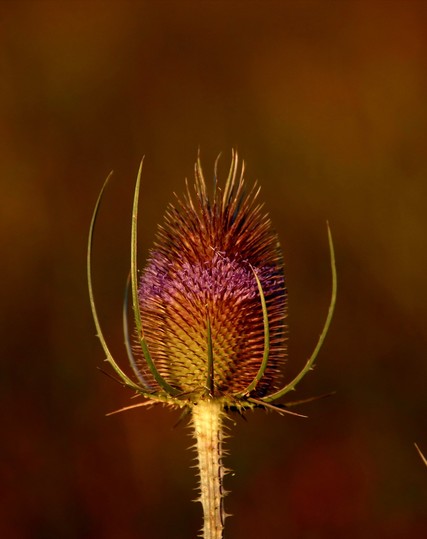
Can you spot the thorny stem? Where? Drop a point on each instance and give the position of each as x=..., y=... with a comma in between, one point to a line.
x=207, y=423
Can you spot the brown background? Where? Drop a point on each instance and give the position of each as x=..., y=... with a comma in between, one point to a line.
x=326, y=102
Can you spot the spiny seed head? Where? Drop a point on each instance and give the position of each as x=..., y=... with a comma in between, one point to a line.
x=215, y=260
x=210, y=306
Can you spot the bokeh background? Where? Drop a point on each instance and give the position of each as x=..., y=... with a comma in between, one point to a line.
x=326, y=102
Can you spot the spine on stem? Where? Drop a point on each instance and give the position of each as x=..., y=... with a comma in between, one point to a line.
x=207, y=422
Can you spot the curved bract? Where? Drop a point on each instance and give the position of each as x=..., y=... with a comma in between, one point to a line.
x=310, y=362
x=210, y=305
x=140, y=388
x=125, y=379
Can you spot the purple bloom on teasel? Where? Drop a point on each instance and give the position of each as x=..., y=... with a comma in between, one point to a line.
x=202, y=270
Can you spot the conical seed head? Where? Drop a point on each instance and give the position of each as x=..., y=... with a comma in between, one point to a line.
x=200, y=277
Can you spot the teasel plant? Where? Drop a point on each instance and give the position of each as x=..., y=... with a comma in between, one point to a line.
x=209, y=312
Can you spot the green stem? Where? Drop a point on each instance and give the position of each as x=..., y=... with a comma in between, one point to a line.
x=207, y=422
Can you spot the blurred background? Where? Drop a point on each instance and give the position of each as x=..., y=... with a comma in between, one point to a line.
x=326, y=103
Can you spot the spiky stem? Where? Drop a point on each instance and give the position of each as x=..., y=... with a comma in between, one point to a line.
x=207, y=422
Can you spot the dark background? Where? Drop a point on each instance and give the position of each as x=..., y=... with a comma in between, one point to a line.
x=326, y=102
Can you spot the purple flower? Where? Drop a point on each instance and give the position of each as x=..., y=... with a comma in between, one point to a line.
x=201, y=273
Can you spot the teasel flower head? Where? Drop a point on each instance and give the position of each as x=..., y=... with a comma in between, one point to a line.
x=215, y=262
x=210, y=304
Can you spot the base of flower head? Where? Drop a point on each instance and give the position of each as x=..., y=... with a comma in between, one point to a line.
x=227, y=404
